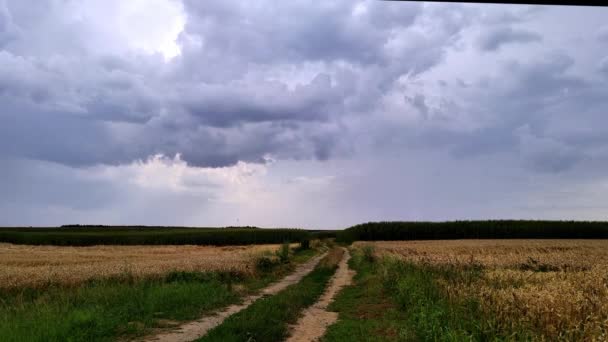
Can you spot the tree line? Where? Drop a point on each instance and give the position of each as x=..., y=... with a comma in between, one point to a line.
x=493, y=229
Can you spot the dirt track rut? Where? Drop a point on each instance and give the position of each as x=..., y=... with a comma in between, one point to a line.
x=315, y=320
x=193, y=330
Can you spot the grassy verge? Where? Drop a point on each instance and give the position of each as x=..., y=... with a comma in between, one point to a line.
x=104, y=310
x=393, y=300
x=268, y=318
x=366, y=311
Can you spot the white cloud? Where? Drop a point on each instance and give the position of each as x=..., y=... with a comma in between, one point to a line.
x=236, y=183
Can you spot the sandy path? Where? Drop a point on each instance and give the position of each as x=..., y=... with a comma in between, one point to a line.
x=316, y=319
x=193, y=330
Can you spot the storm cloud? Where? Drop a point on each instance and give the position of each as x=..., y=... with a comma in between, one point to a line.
x=495, y=38
x=317, y=99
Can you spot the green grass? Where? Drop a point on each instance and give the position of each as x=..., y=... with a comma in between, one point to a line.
x=366, y=311
x=278, y=270
x=393, y=300
x=268, y=318
x=100, y=311
x=104, y=310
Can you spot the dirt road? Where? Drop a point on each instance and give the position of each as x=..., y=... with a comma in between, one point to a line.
x=193, y=330
x=316, y=318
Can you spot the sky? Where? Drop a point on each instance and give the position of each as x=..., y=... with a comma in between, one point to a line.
x=298, y=114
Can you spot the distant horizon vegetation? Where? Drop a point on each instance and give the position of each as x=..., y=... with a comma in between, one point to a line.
x=89, y=235
x=435, y=222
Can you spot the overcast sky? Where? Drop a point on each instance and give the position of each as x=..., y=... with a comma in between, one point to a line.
x=300, y=114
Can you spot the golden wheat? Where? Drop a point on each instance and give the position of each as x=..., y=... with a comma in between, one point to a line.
x=35, y=266
x=558, y=288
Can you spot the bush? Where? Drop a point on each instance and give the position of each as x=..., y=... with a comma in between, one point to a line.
x=265, y=264
x=368, y=253
x=305, y=244
x=283, y=253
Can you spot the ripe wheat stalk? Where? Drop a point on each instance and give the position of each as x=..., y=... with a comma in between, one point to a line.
x=558, y=288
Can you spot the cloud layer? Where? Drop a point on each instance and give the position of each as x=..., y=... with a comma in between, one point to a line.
x=111, y=110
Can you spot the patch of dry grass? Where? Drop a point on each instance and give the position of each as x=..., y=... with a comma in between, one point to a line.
x=38, y=266
x=332, y=258
x=558, y=288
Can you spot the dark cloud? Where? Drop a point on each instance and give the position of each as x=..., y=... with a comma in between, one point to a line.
x=234, y=103
x=603, y=66
x=217, y=103
x=220, y=101
x=418, y=101
x=493, y=39
x=336, y=30
x=531, y=97
x=602, y=35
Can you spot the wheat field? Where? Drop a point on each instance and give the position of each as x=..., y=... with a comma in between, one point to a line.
x=37, y=266
x=558, y=288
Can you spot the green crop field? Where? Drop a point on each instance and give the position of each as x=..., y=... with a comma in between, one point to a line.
x=112, y=235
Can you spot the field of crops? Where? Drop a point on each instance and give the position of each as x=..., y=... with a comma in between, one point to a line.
x=103, y=283
x=105, y=293
x=554, y=289
x=39, y=266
